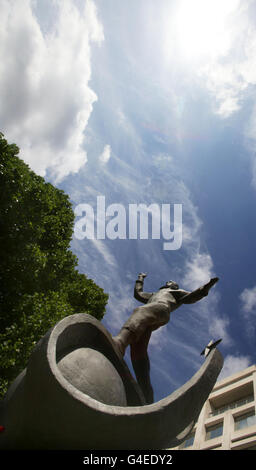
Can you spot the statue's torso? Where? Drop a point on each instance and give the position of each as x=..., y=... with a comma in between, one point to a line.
x=167, y=296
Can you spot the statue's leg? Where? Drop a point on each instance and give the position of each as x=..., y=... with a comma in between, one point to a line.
x=130, y=331
x=136, y=332
x=123, y=339
x=149, y=316
x=141, y=365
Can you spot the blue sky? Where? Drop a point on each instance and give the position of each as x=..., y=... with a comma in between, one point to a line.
x=148, y=102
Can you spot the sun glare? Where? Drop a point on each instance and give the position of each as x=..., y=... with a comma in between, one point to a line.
x=202, y=27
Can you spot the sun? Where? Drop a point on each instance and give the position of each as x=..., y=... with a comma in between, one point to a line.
x=202, y=28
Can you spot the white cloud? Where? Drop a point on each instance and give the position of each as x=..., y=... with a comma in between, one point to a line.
x=231, y=72
x=120, y=305
x=231, y=76
x=248, y=297
x=105, y=155
x=226, y=84
x=218, y=329
x=198, y=270
x=105, y=252
x=233, y=364
x=163, y=160
x=45, y=96
x=250, y=134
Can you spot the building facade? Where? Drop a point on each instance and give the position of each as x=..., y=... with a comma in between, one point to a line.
x=227, y=420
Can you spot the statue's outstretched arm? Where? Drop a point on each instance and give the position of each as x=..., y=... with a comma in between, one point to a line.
x=138, y=289
x=198, y=294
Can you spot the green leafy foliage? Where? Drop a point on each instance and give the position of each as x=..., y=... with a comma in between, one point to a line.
x=39, y=282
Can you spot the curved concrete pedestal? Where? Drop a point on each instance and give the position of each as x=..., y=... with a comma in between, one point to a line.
x=78, y=393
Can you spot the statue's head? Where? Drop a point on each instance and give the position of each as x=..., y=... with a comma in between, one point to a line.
x=171, y=284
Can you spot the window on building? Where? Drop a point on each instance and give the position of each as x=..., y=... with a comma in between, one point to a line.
x=214, y=431
x=244, y=421
x=252, y=447
x=232, y=405
x=189, y=441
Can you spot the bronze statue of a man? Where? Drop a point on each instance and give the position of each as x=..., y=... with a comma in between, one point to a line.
x=156, y=312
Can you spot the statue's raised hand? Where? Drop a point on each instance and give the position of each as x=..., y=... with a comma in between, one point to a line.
x=210, y=284
x=213, y=281
x=142, y=275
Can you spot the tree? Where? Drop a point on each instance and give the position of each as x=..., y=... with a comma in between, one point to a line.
x=39, y=282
